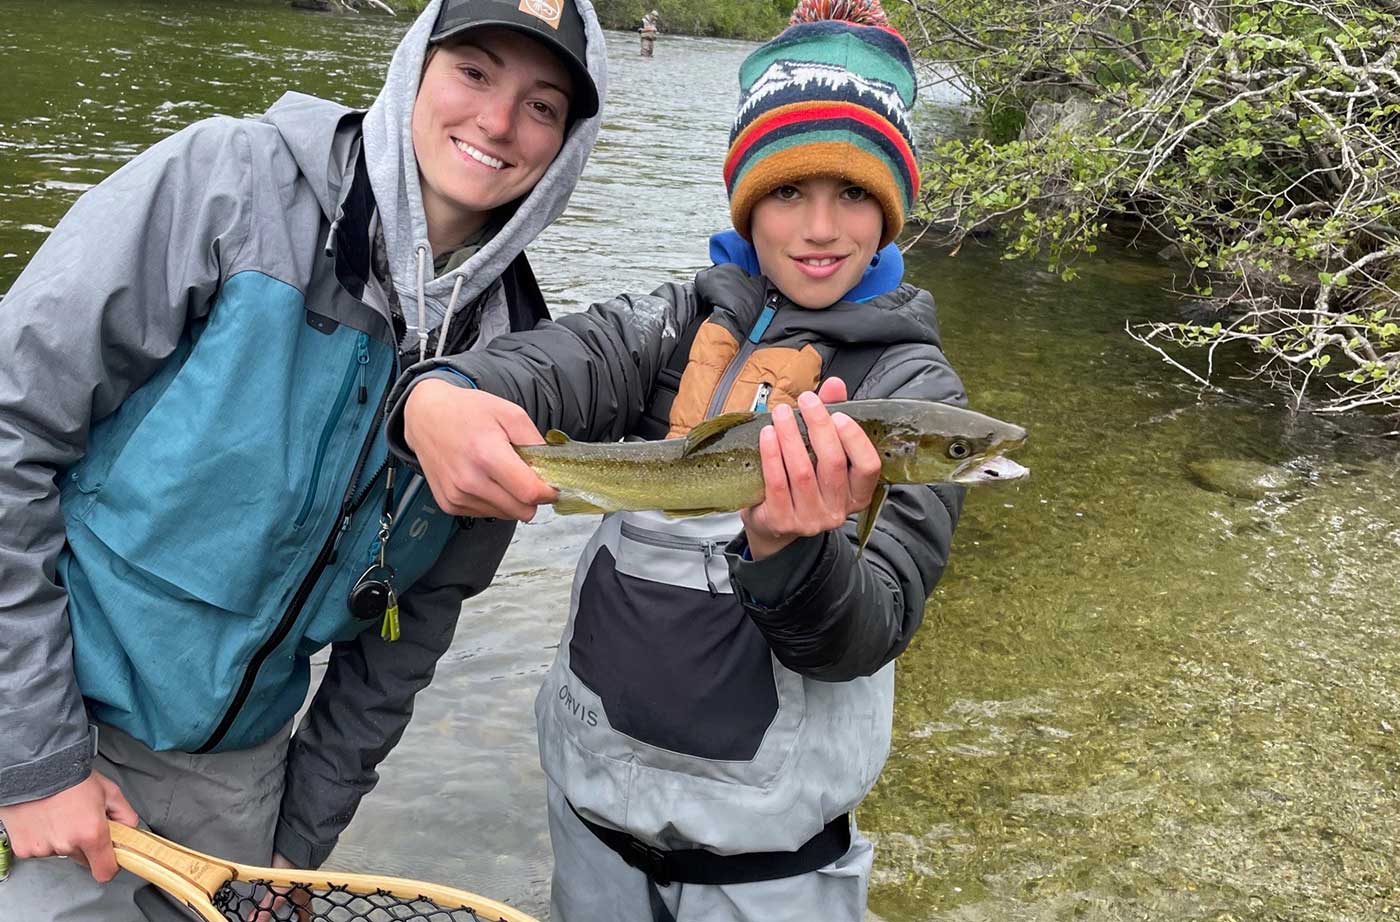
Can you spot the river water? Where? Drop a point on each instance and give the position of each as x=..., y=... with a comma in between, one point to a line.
x=1132, y=698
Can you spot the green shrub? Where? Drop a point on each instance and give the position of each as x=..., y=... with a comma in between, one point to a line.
x=1263, y=139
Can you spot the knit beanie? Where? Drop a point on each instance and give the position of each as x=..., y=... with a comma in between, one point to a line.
x=830, y=96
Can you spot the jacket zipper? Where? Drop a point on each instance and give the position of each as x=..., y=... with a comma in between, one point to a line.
x=356, y=371
x=348, y=512
x=705, y=546
x=736, y=364
x=318, y=566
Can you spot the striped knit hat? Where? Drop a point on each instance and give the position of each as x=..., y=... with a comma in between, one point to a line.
x=830, y=96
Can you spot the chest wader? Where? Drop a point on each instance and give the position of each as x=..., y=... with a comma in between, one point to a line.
x=698, y=865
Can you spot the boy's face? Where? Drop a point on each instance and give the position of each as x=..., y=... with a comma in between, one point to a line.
x=488, y=121
x=815, y=238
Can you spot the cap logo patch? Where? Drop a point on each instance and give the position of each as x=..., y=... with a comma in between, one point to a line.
x=547, y=11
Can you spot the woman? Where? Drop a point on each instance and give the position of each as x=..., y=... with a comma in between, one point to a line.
x=195, y=490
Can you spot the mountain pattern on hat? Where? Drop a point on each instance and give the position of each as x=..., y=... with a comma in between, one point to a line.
x=830, y=96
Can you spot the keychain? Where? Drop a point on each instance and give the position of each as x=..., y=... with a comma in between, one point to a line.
x=5, y=854
x=373, y=594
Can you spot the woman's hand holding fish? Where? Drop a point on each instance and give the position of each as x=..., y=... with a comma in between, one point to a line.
x=464, y=440
x=802, y=498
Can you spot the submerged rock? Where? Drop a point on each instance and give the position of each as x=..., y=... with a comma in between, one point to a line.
x=1243, y=478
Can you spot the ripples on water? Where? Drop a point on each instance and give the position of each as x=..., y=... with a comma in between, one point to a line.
x=1132, y=698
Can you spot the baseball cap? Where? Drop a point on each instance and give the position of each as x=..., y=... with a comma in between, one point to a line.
x=555, y=23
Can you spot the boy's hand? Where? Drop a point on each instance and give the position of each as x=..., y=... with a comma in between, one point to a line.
x=802, y=499
x=71, y=823
x=464, y=441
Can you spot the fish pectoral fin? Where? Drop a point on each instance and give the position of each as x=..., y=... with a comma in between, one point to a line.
x=708, y=430
x=555, y=437
x=573, y=505
x=867, y=518
x=688, y=513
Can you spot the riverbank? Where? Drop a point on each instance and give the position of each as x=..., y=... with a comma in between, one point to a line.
x=753, y=20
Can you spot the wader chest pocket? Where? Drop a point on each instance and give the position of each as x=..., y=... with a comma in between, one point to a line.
x=661, y=639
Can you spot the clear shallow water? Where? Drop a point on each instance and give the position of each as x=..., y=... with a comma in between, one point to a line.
x=1133, y=698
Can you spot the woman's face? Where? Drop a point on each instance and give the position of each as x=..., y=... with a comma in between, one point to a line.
x=488, y=121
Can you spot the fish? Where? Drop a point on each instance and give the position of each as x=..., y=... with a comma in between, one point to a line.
x=716, y=466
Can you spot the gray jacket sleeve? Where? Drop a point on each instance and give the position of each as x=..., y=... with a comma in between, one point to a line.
x=587, y=374
x=830, y=615
x=365, y=700
x=103, y=302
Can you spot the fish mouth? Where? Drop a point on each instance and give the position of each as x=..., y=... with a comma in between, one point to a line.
x=990, y=470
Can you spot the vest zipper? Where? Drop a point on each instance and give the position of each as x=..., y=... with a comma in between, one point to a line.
x=356, y=370
x=362, y=357
x=318, y=566
x=706, y=546
x=746, y=348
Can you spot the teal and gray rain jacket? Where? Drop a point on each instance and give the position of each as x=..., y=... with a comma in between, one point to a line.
x=192, y=447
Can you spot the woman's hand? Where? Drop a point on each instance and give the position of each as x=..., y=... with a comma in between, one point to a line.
x=72, y=823
x=802, y=498
x=464, y=439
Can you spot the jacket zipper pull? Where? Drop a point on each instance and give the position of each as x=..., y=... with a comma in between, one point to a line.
x=362, y=356
x=765, y=317
x=709, y=549
x=335, y=545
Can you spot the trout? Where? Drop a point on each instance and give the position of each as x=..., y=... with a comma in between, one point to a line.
x=716, y=467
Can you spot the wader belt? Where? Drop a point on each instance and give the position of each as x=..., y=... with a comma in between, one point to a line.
x=701, y=866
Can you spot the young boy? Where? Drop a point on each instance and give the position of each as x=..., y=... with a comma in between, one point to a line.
x=722, y=697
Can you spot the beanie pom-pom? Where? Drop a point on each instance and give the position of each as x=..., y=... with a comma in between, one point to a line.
x=859, y=12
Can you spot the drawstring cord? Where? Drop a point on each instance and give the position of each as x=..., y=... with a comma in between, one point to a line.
x=422, y=307
x=452, y=306
x=451, y=309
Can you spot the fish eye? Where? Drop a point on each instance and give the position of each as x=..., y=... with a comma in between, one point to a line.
x=959, y=449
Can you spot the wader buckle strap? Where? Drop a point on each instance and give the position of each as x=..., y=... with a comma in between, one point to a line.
x=702, y=866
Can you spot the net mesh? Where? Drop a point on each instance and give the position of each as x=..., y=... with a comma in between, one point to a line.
x=256, y=901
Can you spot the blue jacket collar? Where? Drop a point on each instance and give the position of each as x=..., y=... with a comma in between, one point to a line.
x=884, y=274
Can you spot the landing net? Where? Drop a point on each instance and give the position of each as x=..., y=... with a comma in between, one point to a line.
x=256, y=901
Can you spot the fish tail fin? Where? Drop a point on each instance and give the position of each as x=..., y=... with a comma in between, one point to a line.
x=866, y=525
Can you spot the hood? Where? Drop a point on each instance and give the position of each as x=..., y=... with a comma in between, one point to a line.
x=885, y=272
x=321, y=136
x=393, y=175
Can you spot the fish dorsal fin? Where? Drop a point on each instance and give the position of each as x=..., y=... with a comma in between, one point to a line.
x=555, y=437
x=707, y=431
